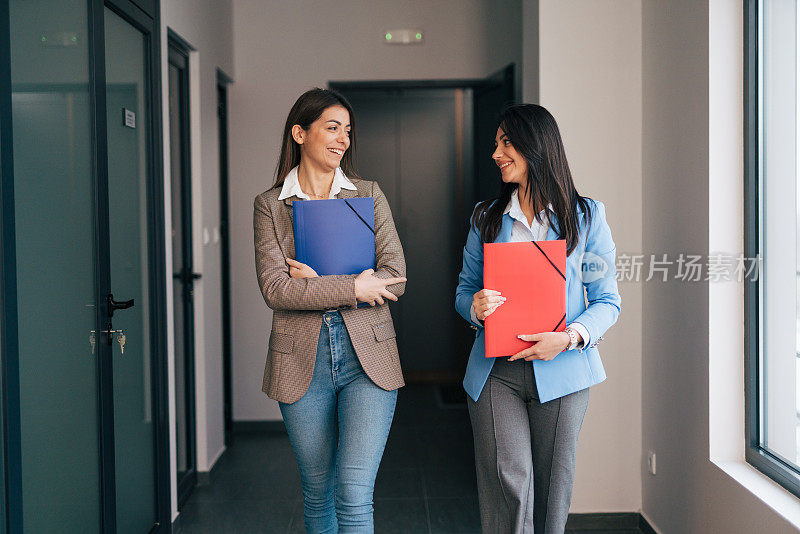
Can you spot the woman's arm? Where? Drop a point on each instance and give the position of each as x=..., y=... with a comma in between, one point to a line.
x=605, y=302
x=470, y=280
x=282, y=292
x=389, y=259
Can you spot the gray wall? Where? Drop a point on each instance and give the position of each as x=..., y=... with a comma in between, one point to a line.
x=284, y=48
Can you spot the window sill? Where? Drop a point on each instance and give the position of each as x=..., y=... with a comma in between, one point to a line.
x=763, y=488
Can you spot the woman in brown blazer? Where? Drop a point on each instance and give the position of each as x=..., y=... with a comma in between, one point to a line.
x=333, y=368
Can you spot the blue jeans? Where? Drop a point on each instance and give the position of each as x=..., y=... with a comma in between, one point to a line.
x=338, y=431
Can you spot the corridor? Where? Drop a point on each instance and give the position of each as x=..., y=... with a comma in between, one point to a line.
x=426, y=482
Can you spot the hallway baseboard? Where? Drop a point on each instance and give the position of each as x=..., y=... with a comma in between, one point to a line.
x=205, y=478
x=625, y=521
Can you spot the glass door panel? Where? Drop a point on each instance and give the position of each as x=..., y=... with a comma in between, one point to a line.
x=178, y=296
x=182, y=273
x=129, y=179
x=56, y=250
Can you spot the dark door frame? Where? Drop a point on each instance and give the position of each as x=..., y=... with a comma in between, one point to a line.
x=178, y=55
x=144, y=16
x=9, y=339
x=223, y=80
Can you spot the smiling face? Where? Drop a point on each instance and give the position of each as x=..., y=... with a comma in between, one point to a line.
x=513, y=167
x=326, y=140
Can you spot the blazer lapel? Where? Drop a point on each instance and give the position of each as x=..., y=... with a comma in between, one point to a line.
x=289, y=210
x=506, y=224
x=347, y=193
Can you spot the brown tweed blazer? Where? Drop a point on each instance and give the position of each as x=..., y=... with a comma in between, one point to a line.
x=298, y=303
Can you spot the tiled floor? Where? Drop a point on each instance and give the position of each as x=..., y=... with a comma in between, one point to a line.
x=426, y=482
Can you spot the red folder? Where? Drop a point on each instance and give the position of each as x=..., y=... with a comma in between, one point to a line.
x=532, y=277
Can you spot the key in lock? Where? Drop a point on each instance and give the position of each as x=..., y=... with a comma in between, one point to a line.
x=121, y=340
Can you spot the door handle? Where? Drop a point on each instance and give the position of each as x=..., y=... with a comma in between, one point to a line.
x=114, y=305
x=186, y=276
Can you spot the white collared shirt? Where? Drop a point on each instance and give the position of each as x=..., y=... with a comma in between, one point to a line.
x=522, y=231
x=291, y=185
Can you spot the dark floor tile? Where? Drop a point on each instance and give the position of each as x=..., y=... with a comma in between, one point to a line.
x=223, y=489
x=401, y=516
x=398, y=483
x=257, y=451
x=236, y=517
x=443, y=451
x=450, y=482
x=454, y=515
x=403, y=449
x=258, y=484
x=278, y=483
x=297, y=525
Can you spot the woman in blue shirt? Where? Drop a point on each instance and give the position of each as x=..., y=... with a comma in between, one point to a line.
x=527, y=409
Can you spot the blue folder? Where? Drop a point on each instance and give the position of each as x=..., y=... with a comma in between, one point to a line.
x=335, y=236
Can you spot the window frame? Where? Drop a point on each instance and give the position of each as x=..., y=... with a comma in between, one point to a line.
x=782, y=472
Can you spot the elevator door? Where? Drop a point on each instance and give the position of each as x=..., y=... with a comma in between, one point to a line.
x=416, y=145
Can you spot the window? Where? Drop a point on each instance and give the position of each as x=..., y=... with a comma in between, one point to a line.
x=772, y=233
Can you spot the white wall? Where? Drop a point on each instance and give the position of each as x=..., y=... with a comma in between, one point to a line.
x=692, y=202
x=285, y=48
x=206, y=26
x=590, y=80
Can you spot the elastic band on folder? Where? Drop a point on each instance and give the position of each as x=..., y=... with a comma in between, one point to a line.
x=362, y=218
x=547, y=258
x=559, y=322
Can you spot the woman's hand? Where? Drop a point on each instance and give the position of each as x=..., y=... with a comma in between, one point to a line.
x=370, y=288
x=485, y=302
x=547, y=345
x=300, y=270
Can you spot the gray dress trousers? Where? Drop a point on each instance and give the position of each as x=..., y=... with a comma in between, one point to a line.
x=524, y=451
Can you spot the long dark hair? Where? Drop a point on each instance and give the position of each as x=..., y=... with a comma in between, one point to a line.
x=306, y=110
x=533, y=132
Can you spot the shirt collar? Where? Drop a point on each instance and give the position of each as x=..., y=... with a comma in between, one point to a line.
x=514, y=209
x=291, y=185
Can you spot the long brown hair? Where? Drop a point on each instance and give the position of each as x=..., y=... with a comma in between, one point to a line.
x=533, y=132
x=304, y=112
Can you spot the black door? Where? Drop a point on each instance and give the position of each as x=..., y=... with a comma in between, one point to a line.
x=182, y=268
x=224, y=223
